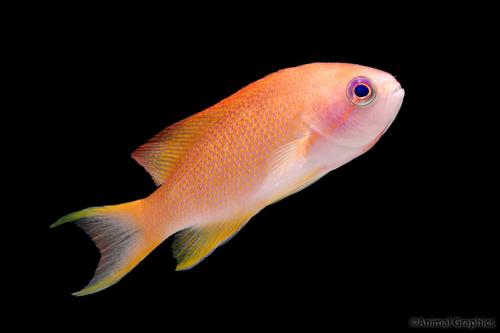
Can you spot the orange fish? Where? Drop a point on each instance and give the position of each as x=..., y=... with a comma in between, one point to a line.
x=218, y=168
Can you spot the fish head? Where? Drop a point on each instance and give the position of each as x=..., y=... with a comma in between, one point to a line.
x=352, y=107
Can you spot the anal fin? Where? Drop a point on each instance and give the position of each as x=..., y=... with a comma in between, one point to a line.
x=194, y=244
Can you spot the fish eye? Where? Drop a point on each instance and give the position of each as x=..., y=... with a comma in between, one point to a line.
x=361, y=91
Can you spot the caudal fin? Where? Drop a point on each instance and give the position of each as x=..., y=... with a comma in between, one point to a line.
x=119, y=234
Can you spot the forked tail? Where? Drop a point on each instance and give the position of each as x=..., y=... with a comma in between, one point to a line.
x=121, y=236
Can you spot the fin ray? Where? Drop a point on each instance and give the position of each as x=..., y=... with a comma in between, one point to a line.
x=194, y=244
x=287, y=157
x=161, y=153
x=119, y=238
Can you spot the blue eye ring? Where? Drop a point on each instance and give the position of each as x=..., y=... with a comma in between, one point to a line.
x=361, y=91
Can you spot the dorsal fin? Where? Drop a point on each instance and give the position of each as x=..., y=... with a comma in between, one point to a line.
x=161, y=153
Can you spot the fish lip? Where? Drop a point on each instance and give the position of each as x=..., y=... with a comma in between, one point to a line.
x=396, y=91
x=398, y=88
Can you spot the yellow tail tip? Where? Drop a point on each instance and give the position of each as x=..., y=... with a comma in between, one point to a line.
x=72, y=217
x=85, y=292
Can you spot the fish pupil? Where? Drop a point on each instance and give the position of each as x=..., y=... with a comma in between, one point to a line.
x=361, y=91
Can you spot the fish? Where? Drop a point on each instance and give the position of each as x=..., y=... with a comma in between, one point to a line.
x=218, y=168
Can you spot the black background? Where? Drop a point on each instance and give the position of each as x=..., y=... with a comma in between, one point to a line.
x=405, y=230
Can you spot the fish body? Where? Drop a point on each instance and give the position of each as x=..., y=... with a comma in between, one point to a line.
x=218, y=168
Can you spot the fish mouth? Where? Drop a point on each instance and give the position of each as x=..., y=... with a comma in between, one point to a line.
x=399, y=92
x=398, y=89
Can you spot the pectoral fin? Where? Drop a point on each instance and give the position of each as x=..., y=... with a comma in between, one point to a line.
x=194, y=244
x=286, y=174
x=288, y=157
